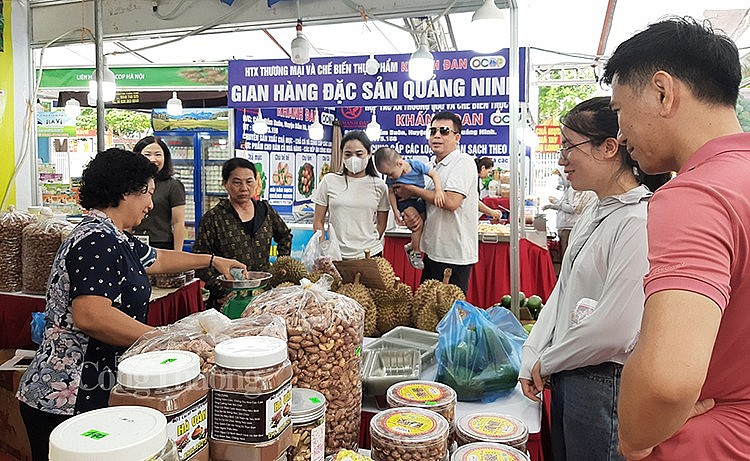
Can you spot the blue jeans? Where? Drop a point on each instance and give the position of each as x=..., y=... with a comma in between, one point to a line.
x=584, y=413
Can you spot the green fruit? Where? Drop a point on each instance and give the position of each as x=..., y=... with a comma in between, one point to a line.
x=521, y=298
x=528, y=327
x=506, y=301
x=534, y=302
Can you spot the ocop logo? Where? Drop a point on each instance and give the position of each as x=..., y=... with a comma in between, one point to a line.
x=487, y=62
x=500, y=118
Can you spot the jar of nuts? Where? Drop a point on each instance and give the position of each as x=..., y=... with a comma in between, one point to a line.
x=415, y=434
x=308, y=426
x=492, y=427
x=429, y=395
x=484, y=451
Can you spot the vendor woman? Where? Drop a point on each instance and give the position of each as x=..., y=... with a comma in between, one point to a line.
x=97, y=296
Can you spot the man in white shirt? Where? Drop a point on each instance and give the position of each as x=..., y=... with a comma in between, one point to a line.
x=449, y=239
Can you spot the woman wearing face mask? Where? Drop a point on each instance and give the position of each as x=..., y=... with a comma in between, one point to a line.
x=356, y=200
x=165, y=223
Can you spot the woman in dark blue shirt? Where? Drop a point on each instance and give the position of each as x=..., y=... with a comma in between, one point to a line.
x=97, y=296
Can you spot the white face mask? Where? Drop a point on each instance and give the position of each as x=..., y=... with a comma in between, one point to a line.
x=355, y=164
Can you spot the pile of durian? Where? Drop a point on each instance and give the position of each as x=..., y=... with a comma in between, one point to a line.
x=433, y=299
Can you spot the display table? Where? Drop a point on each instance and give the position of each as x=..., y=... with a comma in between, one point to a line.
x=490, y=277
x=167, y=305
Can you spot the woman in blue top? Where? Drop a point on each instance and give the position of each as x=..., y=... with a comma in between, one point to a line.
x=97, y=296
x=411, y=172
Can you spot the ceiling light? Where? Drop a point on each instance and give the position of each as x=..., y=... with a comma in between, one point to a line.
x=174, y=105
x=300, y=47
x=486, y=24
x=72, y=108
x=373, y=129
x=421, y=63
x=259, y=125
x=372, y=66
x=109, y=86
x=315, y=131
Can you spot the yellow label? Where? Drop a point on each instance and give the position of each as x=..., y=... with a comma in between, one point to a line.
x=406, y=423
x=489, y=454
x=421, y=393
x=493, y=426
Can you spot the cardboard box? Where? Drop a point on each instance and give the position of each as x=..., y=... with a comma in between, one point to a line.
x=13, y=439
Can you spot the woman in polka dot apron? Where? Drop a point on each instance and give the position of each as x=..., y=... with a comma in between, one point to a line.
x=97, y=296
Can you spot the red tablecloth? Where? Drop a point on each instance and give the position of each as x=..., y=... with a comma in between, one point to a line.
x=497, y=203
x=16, y=309
x=490, y=278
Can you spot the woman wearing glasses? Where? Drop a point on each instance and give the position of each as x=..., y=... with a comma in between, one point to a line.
x=569, y=207
x=356, y=200
x=591, y=320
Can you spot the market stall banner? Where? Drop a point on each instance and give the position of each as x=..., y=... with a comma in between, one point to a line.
x=172, y=77
x=460, y=76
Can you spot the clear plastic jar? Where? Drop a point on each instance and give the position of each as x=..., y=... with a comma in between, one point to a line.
x=414, y=434
x=485, y=451
x=429, y=395
x=250, y=400
x=171, y=382
x=308, y=426
x=126, y=433
x=492, y=427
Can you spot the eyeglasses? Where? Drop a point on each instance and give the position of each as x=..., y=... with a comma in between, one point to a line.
x=562, y=152
x=444, y=130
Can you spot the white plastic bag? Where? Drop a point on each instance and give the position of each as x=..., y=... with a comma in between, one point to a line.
x=319, y=254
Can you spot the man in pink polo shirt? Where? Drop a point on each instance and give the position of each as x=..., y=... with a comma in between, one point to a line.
x=685, y=391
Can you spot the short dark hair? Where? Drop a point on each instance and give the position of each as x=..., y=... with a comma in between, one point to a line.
x=448, y=115
x=386, y=155
x=485, y=162
x=111, y=175
x=361, y=136
x=707, y=61
x=167, y=170
x=595, y=120
x=232, y=164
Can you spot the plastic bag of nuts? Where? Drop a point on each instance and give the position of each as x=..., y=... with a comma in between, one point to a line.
x=325, y=341
x=202, y=331
x=40, y=243
x=12, y=224
x=413, y=434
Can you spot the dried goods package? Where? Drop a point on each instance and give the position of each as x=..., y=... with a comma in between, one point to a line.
x=324, y=332
x=12, y=224
x=41, y=240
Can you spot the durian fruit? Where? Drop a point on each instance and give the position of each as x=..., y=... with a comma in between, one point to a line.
x=361, y=294
x=315, y=276
x=433, y=299
x=394, y=307
x=287, y=269
x=386, y=271
x=284, y=285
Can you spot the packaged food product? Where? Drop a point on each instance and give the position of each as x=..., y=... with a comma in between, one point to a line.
x=415, y=434
x=308, y=426
x=126, y=433
x=175, y=280
x=485, y=451
x=492, y=427
x=250, y=400
x=429, y=395
x=171, y=382
x=325, y=341
x=12, y=224
x=40, y=243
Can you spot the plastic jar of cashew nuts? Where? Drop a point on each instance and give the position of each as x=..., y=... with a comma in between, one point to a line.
x=308, y=426
x=414, y=434
x=492, y=427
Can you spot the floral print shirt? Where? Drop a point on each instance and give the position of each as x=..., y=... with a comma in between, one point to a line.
x=71, y=372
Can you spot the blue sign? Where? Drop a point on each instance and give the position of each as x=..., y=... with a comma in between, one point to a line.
x=460, y=76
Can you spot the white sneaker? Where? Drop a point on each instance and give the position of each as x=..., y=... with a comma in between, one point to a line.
x=415, y=257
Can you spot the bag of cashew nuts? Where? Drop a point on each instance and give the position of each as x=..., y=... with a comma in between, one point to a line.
x=40, y=243
x=202, y=331
x=324, y=332
x=12, y=224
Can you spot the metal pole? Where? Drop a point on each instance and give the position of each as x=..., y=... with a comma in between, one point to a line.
x=513, y=96
x=99, y=45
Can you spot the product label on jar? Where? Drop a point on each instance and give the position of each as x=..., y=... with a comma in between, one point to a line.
x=489, y=454
x=493, y=426
x=188, y=429
x=250, y=418
x=318, y=443
x=410, y=424
x=421, y=393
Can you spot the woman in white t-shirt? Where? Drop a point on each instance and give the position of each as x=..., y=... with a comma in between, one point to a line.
x=356, y=200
